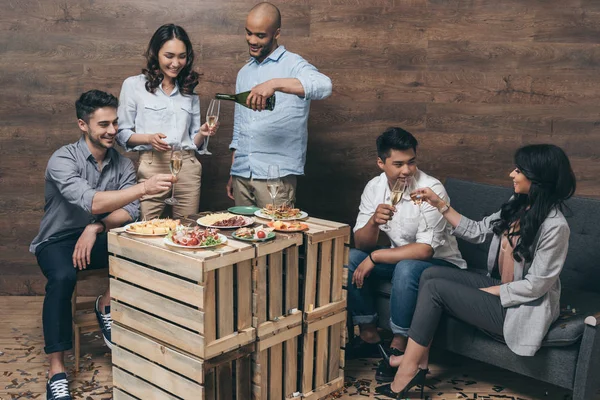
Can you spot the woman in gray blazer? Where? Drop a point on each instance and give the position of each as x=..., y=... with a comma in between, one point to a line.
x=520, y=296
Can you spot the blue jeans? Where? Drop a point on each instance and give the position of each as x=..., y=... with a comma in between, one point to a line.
x=405, y=277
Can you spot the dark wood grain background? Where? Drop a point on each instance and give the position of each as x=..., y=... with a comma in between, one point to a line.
x=472, y=79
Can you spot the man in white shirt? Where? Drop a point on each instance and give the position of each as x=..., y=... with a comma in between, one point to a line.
x=419, y=238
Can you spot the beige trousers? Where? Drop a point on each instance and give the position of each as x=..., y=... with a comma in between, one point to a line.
x=254, y=192
x=187, y=188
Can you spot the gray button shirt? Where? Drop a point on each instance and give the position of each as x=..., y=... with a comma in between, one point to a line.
x=72, y=180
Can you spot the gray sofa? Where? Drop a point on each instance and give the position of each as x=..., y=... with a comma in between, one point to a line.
x=570, y=356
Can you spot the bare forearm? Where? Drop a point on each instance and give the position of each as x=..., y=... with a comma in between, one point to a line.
x=289, y=86
x=116, y=219
x=413, y=251
x=138, y=139
x=365, y=238
x=107, y=202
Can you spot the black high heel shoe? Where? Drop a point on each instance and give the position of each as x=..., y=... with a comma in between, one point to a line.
x=385, y=372
x=417, y=380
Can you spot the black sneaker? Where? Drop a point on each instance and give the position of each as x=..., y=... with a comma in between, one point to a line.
x=358, y=348
x=57, y=388
x=385, y=372
x=105, y=322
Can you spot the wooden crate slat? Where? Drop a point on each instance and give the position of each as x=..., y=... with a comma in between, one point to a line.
x=137, y=387
x=162, y=330
x=210, y=384
x=292, y=293
x=170, y=286
x=158, y=305
x=337, y=269
x=276, y=372
x=271, y=328
x=260, y=274
x=281, y=337
x=334, y=351
x=273, y=246
x=275, y=284
x=225, y=301
x=324, y=271
x=326, y=223
x=323, y=236
x=155, y=374
x=210, y=306
x=325, y=322
x=224, y=381
x=230, y=342
x=155, y=255
x=324, y=390
x=260, y=375
x=322, y=357
x=160, y=353
x=321, y=312
x=244, y=294
x=244, y=374
x=235, y=257
x=310, y=279
x=290, y=367
x=308, y=351
x=118, y=394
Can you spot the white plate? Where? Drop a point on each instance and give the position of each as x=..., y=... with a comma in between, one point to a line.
x=302, y=215
x=248, y=221
x=141, y=234
x=169, y=242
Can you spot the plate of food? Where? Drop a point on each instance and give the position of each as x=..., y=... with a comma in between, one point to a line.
x=282, y=213
x=293, y=226
x=225, y=221
x=243, y=210
x=154, y=227
x=259, y=234
x=195, y=238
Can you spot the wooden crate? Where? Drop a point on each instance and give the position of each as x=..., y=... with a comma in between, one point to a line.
x=148, y=369
x=198, y=301
x=326, y=253
x=277, y=318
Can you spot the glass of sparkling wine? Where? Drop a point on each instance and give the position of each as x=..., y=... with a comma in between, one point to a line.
x=212, y=114
x=411, y=187
x=397, y=191
x=176, y=163
x=273, y=184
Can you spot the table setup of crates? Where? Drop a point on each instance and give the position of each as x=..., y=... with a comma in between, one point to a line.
x=244, y=320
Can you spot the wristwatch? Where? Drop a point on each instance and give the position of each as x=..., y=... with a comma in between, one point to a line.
x=444, y=208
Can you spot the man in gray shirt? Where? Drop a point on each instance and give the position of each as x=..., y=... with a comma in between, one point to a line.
x=90, y=188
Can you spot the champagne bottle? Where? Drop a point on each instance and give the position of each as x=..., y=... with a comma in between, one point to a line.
x=241, y=98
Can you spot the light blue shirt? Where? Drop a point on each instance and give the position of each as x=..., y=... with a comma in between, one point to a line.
x=279, y=136
x=176, y=115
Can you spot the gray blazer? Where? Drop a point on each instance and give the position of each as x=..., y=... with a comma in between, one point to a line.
x=532, y=300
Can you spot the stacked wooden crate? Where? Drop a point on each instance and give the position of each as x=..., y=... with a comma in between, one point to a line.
x=182, y=320
x=325, y=246
x=277, y=317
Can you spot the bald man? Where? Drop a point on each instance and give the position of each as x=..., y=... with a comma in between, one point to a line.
x=278, y=137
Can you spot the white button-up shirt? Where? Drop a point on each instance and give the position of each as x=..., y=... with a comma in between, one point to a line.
x=176, y=115
x=409, y=225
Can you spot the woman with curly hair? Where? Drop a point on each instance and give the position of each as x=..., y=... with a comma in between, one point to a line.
x=519, y=298
x=159, y=109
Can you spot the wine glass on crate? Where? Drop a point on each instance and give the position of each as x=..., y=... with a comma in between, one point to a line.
x=273, y=185
x=395, y=196
x=212, y=115
x=175, y=164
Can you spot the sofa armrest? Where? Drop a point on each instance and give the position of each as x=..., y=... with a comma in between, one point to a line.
x=593, y=320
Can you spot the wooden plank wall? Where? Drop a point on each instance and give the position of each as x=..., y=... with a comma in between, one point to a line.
x=473, y=79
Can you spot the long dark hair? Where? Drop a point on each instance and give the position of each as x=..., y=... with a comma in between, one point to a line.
x=187, y=79
x=552, y=182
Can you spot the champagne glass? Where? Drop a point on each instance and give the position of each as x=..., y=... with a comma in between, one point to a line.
x=273, y=184
x=397, y=192
x=418, y=201
x=212, y=116
x=176, y=163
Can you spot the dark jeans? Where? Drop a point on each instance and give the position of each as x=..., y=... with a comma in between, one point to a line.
x=405, y=284
x=56, y=261
x=457, y=293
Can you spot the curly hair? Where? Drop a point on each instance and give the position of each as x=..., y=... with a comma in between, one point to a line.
x=552, y=182
x=187, y=79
